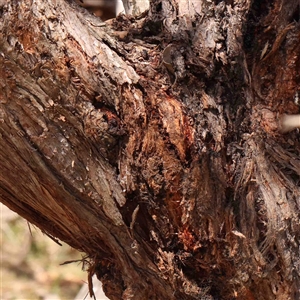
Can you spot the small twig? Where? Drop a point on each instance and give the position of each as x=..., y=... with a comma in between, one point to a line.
x=29, y=227
x=70, y=261
x=90, y=284
x=53, y=238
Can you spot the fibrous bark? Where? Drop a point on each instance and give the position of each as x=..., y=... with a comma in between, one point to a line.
x=153, y=144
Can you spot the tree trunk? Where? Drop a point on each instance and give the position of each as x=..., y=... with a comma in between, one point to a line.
x=154, y=145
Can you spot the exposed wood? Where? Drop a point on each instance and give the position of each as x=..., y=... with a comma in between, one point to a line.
x=135, y=7
x=154, y=144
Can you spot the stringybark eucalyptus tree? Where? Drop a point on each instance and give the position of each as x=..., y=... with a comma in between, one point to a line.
x=153, y=144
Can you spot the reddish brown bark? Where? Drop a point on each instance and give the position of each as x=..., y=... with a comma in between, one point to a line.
x=153, y=144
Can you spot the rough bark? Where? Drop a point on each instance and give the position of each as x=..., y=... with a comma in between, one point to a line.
x=153, y=144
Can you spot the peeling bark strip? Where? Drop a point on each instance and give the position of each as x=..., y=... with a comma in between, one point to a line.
x=153, y=144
